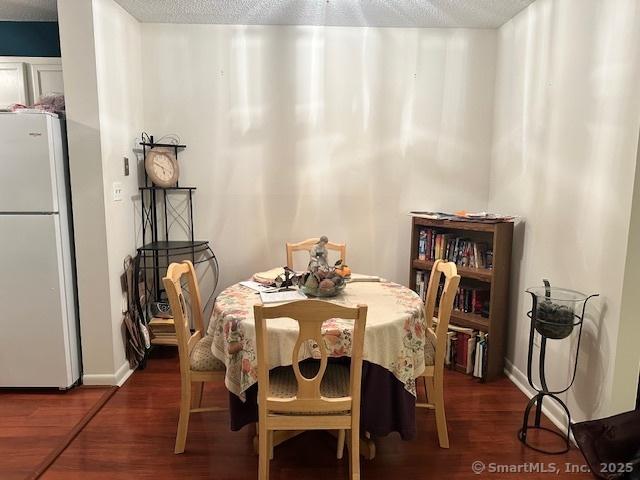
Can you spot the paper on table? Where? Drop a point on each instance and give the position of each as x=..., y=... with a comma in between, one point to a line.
x=269, y=276
x=358, y=277
x=258, y=287
x=285, y=296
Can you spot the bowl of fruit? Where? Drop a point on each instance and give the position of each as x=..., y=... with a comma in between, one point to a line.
x=325, y=281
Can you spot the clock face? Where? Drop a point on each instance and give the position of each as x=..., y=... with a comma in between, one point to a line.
x=161, y=167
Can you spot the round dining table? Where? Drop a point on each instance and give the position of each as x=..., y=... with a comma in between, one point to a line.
x=393, y=355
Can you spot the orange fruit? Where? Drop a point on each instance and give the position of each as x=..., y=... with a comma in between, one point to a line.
x=343, y=271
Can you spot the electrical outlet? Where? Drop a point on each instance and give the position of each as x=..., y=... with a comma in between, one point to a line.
x=117, y=192
x=126, y=167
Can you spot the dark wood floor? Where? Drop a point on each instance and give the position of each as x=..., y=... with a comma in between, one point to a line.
x=132, y=437
x=33, y=422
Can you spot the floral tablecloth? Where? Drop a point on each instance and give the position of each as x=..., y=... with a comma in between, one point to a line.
x=394, y=335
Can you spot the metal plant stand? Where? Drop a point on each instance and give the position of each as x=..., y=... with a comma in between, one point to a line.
x=553, y=315
x=164, y=210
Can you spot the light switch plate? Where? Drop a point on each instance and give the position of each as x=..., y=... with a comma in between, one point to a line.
x=117, y=192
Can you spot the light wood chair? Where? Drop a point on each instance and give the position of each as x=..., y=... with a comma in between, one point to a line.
x=310, y=242
x=288, y=399
x=436, y=341
x=197, y=362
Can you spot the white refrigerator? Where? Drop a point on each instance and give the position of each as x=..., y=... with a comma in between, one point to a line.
x=39, y=344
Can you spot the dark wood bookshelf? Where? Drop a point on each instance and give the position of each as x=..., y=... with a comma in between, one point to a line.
x=469, y=320
x=499, y=236
x=482, y=274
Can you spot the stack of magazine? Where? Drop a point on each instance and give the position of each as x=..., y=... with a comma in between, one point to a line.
x=463, y=216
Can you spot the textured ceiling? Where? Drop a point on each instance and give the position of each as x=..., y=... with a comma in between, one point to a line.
x=359, y=13
x=28, y=10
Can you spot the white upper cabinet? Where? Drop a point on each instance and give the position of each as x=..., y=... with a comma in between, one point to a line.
x=13, y=84
x=25, y=79
x=46, y=79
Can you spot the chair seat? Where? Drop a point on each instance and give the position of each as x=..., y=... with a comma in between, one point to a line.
x=335, y=383
x=202, y=358
x=429, y=353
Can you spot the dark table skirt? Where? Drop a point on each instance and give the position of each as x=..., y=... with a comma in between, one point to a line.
x=386, y=405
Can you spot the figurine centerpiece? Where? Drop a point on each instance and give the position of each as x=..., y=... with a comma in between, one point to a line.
x=321, y=279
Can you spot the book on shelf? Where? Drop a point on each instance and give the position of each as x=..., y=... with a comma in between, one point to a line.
x=480, y=354
x=471, y=345
x=447, y=356
x=468, y=299
x=464, y=252
x=162, y=326
x=163, y=334
x=462, y=346
x=466, y=350
x=421, y=285
x=471, y=299
x=422, y=245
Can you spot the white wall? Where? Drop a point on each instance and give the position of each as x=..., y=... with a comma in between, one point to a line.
x=295, y=132
x=301, y=131
x=627, y=366
x=119, y=72
x=87, y=187
x=101, y=66
x=567, y=113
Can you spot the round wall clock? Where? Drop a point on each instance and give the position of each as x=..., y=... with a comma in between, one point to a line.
x=162, y=167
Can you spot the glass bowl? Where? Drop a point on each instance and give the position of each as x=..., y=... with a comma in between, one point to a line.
x=317, y=292
x=556, y=310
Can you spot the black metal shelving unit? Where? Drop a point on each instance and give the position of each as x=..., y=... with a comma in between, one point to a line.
x=164, y=210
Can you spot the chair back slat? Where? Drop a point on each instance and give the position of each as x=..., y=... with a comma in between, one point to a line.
x=179, y=276
x=445, y=304
x=309, y=388
x=310, y=315
x=310, y=242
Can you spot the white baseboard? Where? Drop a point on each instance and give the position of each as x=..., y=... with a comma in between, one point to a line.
x=118, y=378
x=123, y=373
x=550, y=409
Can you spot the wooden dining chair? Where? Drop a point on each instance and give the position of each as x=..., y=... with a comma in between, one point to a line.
x=436, y=341
x=310, y=242
x=197, y=362
x=290, y=399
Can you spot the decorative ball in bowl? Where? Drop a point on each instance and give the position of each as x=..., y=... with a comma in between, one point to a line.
x=323, y=282
x=554, y=320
